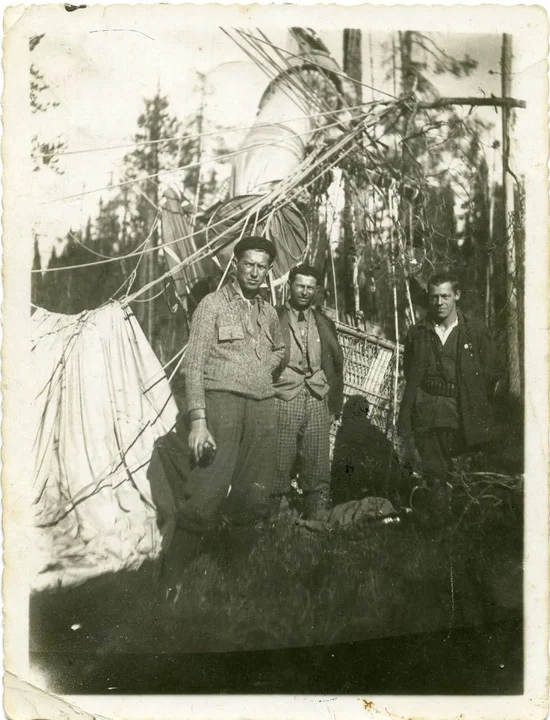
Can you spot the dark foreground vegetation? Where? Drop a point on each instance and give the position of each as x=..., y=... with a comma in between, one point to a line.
x=381, y=608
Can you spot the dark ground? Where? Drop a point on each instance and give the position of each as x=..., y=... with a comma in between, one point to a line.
x=385, y=609
x=482, y=660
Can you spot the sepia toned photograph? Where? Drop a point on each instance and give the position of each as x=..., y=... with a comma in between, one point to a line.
x=272, y=279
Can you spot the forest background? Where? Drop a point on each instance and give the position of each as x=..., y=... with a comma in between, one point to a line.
x=457, y=207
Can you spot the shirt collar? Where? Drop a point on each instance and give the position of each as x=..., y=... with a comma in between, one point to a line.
x=295, y=312
x=427, y=324
x=445, y=331
x=235, y=293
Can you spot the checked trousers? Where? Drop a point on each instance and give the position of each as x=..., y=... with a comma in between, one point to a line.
x=304, y=426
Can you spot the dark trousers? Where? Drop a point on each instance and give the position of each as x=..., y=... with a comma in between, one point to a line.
x=437, y=449
x=235, y=487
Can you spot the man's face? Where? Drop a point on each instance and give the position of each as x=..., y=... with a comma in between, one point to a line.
x=252, y=267
x=302, y=291
x=442, y=300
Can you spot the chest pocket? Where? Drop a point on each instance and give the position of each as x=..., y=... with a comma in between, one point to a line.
x=228, y=333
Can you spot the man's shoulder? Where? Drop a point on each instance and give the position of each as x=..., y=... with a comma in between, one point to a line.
x=212, y=299
x=269, y=310
x=418, y=328
x=473, y=324
x=319, y=313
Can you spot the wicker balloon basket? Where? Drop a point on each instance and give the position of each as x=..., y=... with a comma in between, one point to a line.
x=370, y=366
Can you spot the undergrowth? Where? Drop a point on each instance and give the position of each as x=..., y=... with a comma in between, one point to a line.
x=299, y=588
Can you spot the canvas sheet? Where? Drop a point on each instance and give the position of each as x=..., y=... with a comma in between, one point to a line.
x=101, y=399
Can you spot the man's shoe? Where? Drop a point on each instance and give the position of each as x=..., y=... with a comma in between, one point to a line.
x=315, y=507
x=183, y=549
x=442, y=501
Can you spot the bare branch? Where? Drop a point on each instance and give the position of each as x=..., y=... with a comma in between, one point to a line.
x=492, y=101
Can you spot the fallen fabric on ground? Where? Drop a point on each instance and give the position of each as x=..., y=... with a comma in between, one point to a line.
x=354, y=513
x=100, y=400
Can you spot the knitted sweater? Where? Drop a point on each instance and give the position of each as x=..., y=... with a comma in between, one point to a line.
x=226, y=351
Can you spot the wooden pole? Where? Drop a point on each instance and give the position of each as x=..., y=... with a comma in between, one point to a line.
x=512, y=327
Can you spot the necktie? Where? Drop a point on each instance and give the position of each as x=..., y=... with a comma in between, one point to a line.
x=303, y=332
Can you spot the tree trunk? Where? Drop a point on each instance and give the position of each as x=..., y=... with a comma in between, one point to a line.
x=408, y=75
x=405, y=209
x=512, y=327
x=353, y=67
x=198, y=153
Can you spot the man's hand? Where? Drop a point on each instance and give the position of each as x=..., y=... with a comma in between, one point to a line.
x=199, y=436
x=406, y=450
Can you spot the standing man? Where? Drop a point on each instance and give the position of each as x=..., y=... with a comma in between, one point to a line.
x=235, y=346
x=309, y=393
x=449, y=378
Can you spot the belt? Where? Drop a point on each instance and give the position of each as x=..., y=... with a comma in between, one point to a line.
x=438, y=386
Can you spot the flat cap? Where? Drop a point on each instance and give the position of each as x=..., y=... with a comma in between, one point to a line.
x=255, y=242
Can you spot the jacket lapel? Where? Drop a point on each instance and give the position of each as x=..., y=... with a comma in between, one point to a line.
x=282, y=312
x=295, y=329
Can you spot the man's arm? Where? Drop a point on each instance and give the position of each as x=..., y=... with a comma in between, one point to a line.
x=201, y=339
x=337, y=384
x=200, y=342
x=278, y=347
x=408, y=354
x=338, y=352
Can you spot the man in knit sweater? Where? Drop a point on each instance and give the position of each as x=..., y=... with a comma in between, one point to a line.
x=235, y=346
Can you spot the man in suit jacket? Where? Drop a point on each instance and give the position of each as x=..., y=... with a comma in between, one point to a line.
x=308, y=394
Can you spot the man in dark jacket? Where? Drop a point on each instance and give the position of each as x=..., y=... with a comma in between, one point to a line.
x=449, y=379
x=308, y=394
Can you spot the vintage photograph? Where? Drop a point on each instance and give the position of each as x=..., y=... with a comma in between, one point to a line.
x=276, y=353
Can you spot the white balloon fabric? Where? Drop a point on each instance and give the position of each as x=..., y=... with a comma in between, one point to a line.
x=101, y=399
x=269, y=154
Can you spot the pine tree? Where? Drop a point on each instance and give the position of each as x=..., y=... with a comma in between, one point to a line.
x=410, y=166
x=425, y=143
x=43, y=152
x=36, y=276
x=88, y=239
x=157, y=150
x=104, y=241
